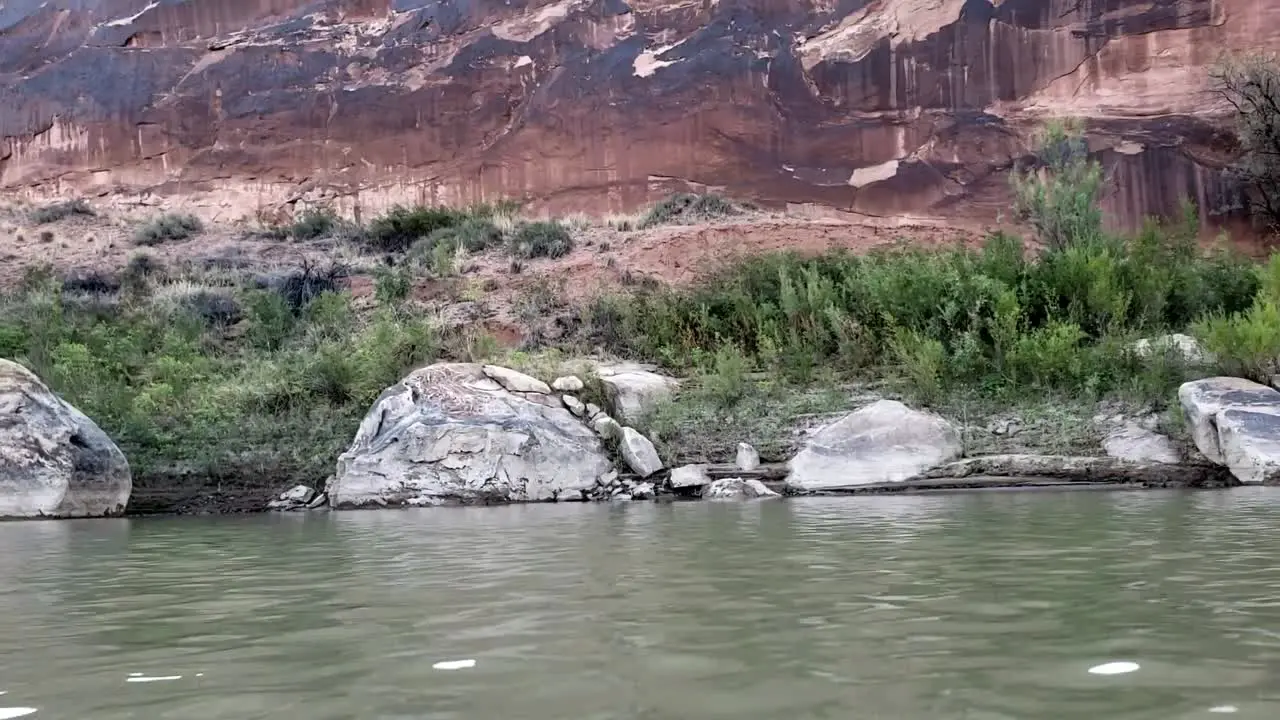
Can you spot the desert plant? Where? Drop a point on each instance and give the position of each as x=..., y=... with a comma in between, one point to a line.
x=400, y=227
x=170, y=227
x=685, y=209
x=1059, y=197
x=391, y=286
x=60, y=211
x=547, y=239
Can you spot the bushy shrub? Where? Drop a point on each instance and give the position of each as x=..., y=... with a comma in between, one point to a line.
x=307, y=282
x=90, y=282
x=540, y=239
x=687, y=209
x=400, y=227
x=170, y=227
x=183, y=396
x=990, y=317
x=392, y=285
x=1059, y=197
x=213, y=308
x=60, y=211
x=311, y=225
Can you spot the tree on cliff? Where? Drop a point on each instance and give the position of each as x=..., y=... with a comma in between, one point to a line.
x=1059, y=197
x=1251, y=85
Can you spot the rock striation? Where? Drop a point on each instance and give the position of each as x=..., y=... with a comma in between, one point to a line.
x=874, y=106
x=54, y=461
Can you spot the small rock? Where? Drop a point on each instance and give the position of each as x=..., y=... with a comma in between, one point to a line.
x=737, y=489
x=620, y=497
x=593, y=410
x=689, y=476
x=608, y=478
x=318, y=501
x=574, y=404
x=280, y=505
x=606, y=427
x=639, y=453
x=298, y=495
x=568, y=384
x=642, y=491
x=748, y=459
x=515, y=381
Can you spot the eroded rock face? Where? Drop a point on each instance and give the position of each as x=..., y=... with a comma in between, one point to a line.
x=54, y=461
x=601, y=105
x=883, y=442
x=449, y=433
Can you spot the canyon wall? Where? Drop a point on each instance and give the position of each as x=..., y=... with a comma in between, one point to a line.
x=883, y=107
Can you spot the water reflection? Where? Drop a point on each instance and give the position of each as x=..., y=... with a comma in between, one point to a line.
x=985, y=605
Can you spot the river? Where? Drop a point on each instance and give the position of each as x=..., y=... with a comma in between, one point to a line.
x=981, y=606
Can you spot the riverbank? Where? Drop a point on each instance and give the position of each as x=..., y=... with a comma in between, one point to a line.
x=226, y=382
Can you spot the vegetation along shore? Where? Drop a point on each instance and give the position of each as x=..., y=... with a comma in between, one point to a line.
x=224, y=382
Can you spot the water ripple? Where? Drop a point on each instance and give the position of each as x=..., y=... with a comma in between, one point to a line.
x=943, y=607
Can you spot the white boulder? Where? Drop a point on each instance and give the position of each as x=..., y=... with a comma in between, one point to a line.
x=737, y=489
x=54, y=461
x=568, y=384
x=634, y=390
x=747, y=459
x=1203, y=400
x=451, y=433
x=885, y=441
x=639, y=453
x=687, y=476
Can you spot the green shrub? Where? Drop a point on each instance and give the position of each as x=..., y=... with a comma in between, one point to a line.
x=687, y=209
x=391, y=286
x=986, y=317
x=311, y=225
x=1062, y=202
x=185, y=398
x=60, y=211
x=170, y=227
x=547, y=239
x=401, y=227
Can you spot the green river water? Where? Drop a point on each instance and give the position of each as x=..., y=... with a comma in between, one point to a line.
x=980, y=606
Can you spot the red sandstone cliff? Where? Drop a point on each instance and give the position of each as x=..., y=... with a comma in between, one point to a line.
x=881, y=107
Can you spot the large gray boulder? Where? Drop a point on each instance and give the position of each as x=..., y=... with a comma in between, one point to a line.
x=1235, y=423
x=452, y=433
x=54, y=461
x=885, y=441
x=639, y=453
x=634, y=390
